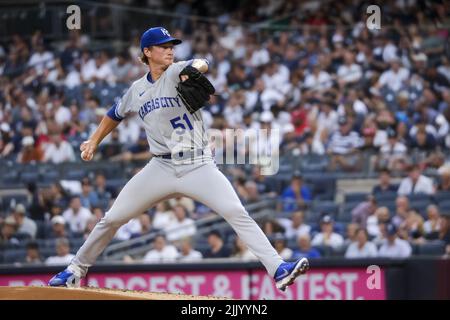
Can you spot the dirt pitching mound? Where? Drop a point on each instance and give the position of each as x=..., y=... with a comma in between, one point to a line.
x=87, y=293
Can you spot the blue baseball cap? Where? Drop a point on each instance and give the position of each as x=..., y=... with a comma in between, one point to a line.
x=156, y=36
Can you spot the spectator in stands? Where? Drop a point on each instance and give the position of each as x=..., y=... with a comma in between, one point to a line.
x=265, y=187
x=63, y=255
x=182, y=226
x=392, y=152
x=364, y=210
x=217, y=248
x=297, y=195
x=146, y=224
x=58, y=228
x=270, y=227
x=161, y=252
x=186, y=202
x=6, y=144
x=163, y=216
x=187, y=251
x=394, y=78
x=432, y=225
x=58, y=150
x=416, y=183
x=384, y=185
x=88, y=197
x=77, y=215
x=361, y=247
x=343, y=147
x=350, y=234
x=381, y=216
x=104, y=193
x=401, y=210
x=392, y=246
x=24, y=224
x=33, y=255
x=444, y=178
x=304, y=248
x=296, y=226
x=128, y=230
x=90, y=225
x=241, y=251
x=30, y=151
x=8, y=229
x=327, y=237
x=412, y=228
x=279, y=242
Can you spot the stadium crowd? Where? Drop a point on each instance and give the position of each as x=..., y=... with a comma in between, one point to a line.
x=330, y=86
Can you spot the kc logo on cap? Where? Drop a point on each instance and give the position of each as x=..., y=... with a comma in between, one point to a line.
x=156, y=36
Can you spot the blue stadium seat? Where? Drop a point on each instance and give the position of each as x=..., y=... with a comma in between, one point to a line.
x=386, y=196
x=434, y=248
x=444, y=206
x=442, y=196
x=345, y=216
x=419, y=197
x=14, y=255
x=356, y=197
x=30, y=176
x=325, y=251
x=10, y=201
x=326, y=207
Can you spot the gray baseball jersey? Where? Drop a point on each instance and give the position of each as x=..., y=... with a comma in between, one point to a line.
x=169, y=126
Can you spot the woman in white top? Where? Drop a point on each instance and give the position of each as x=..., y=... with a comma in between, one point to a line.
x=361, y=248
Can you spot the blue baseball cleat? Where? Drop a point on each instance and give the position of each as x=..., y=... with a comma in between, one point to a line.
x=287, y=272
x=65, y=278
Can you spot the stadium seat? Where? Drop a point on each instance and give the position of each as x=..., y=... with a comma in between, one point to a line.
x=419, y=197
x=444, y=206
x=14, y=255
x=441, y=196
x=31, y=176
x=356, y=197
x=434, y=248
x=325, y=251
x=326, y=207
x=386, y=196
x=10, y=201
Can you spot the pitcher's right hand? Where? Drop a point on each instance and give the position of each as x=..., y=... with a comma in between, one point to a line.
x=87, y=149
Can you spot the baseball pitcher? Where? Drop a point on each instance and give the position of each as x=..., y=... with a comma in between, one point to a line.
x=167, y=100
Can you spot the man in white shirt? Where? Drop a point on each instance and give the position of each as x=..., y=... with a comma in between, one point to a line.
x=58, y=150
x=187, y=252
x=295, y=227
x=76, y=215
x=41, y=59
x=63, y=255
x=24, y=224
x=349, y=72
x=361, y=248
x=392, y=246
x=161, y=252
x=394, y=78
x=182, y=226
x=416, y=183
x=327, y=237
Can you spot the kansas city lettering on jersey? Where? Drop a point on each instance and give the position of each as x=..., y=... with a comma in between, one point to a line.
x=161, y=102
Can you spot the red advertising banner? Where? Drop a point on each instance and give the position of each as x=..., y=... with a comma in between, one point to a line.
x=319, y=284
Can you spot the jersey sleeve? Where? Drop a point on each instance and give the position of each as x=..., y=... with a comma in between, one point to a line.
x=175, y=68
x=122, y=107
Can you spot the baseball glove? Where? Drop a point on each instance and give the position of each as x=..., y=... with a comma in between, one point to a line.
x=194, y=91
